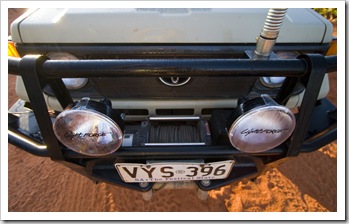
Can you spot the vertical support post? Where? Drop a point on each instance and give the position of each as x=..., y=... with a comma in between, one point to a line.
x=28, y=69
x=316, y=70
x=60, y=91
x=286, y=90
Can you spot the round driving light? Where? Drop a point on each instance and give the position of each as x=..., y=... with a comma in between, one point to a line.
x=90, y=128
x=70, y=83
x=260, y=124
x=272, y=82
x=276, y=82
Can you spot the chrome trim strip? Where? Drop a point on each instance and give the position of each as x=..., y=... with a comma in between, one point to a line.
x=175, y=144
x=174, y=118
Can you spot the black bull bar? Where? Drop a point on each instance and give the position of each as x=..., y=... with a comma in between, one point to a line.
x=309, y=69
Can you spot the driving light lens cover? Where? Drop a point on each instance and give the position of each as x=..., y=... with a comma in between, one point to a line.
x=87, y=128
x=260, y=124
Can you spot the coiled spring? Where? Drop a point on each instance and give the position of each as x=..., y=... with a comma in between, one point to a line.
x=273, y=23
x=270, y=32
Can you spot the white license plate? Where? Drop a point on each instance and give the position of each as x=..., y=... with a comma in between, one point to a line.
x=174, y=171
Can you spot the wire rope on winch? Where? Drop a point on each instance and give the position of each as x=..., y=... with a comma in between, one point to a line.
x=174, y=133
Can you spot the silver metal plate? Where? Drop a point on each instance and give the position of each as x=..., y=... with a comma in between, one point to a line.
x=174, y=171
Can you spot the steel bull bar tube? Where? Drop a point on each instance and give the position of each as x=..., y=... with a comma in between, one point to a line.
x=37, y=70
x=170, y=67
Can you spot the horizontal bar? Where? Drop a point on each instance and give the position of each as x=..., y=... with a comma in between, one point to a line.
x=320, y=140
x=175, y=144
x=27, y=144
x=174, y=118
x=36, y=148
x=13, y=65
x=173, y=67
x=167, y=67
x=171, y=152
x=161, y=50
x=331, y=63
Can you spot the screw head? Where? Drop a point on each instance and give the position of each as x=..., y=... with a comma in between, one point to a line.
x=206, y=183
x=143, y=184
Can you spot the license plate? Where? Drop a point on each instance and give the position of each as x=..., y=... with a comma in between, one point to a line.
x=174, y=171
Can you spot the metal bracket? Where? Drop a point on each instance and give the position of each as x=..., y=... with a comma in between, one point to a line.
x=313, y=80
x=32, y=78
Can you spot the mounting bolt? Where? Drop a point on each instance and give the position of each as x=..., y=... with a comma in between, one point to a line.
x=143, y=184
x=206, y=183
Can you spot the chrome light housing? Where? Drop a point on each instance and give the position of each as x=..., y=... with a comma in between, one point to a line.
x=272, y=82
x=89, y=127
x=260, y=124
x=70, y=83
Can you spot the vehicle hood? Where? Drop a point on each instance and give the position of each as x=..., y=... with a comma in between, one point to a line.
x=164, y=26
